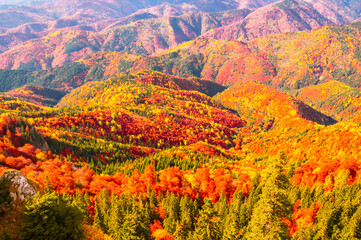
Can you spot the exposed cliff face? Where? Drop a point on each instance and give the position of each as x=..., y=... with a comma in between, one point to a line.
x=20, y=188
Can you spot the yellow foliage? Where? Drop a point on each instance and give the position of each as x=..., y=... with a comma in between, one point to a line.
x=93, y=233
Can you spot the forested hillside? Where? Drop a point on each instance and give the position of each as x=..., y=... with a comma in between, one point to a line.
x=180, y=120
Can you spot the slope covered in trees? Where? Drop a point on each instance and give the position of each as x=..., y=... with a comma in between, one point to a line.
x=286, y=61
x=211, y=139
x=148, y=33
x=332, y=98
x=140, y=37
x=280, y=17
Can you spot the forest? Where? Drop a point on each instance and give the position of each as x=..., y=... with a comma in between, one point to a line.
x=149, y=156
x=201, y=127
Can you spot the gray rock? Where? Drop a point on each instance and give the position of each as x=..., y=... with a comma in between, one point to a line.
x=19, y=186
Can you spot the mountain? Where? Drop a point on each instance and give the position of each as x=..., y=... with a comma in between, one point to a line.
x=33, y=94
x=274, y=108
x=150, y=142
x=333, y=98
x=146, y=32
x=225, y=62
x=308, y=58
x=151, y=33
x=141, y=37
x=128, y=120
x=153, y=78
x=280, y=17
x=11, y=37
x=283, y=61
x=97, y=10
x=337, y=11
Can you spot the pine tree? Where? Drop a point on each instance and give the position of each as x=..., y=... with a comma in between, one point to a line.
x=173, y=210
x=153, y=201
x=231, y=227
x=221, y=207
x=115, y=218
x=353, y=228
x=51, y=217
x=273, y=205
x=80, y=203
x=98, y=216
x=182, y=229
x=104, y=206
x=197, y=204
x=129, y=228
x=208, y=225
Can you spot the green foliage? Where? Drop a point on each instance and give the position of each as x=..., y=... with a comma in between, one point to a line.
x=10, y=79
x=4, y=192
x=5, y=236
x=51, y=217
x=273, y=205
x=208, y=225
x=76, y=44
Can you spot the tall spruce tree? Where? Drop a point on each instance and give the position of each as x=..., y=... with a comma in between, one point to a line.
x=266, y=221
x=208, y=226
x=98, y=216
x=51, y=217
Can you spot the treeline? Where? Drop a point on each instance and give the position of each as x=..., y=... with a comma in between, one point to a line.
x=273, y=208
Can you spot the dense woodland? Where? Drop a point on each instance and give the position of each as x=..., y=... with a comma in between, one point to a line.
x=145, y=156
x=206, y=140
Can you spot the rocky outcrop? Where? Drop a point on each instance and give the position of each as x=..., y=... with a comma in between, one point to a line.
x=37, y=140
x=20, y=188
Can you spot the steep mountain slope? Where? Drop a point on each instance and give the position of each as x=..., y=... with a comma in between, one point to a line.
x=142, y=37
x=11, y=37
x=281, y=17
x=337, y=11
x=275, y=109
x=225, y=62
x=33, y=94
x=308, y=58
x=333, y=98
x=101, y=10
x=287, y=61
x=138, y=114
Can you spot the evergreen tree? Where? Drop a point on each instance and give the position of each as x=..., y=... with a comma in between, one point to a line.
x=231, y=227
x=98, y=216
x=115, y=219
x=208, y=225
x=79, y=202
x=353, y=228
x=221, y=207
x=104, y=206
x=5, y=236
x=50, y=217
x=273, y=205
x=172, y=207
x=129, y=228
x=182, y=229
